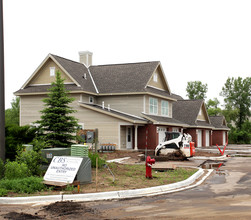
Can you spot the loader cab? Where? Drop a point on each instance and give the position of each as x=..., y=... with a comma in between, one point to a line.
x=171, y=135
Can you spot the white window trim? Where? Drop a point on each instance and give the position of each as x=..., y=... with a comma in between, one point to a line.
x=162, y=101
x=52, y=71
x=153, y=113
x=155, y=77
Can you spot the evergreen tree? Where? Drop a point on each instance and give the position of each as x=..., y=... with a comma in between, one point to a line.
x=57, y=124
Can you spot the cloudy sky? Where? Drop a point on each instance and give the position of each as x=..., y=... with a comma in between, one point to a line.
x=207, y=41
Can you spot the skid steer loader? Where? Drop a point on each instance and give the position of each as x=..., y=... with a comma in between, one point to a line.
x=176, y=142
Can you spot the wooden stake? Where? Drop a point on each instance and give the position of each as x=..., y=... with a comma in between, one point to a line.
x=96, y=174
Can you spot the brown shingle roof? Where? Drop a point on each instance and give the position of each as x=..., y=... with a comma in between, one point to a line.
x=164, y=120
x=123, y=78
x=217, y=122
x=77, y=71
x=187, y=111
x=44, y=88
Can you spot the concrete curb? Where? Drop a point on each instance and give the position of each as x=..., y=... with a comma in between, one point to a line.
x=122, y=194
x=224, y=157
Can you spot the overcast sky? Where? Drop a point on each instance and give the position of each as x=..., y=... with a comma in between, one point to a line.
x=206, y=41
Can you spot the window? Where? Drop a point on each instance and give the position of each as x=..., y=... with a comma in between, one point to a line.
x=52, y=71
x=91, y=99
x=80, y=125
x=153, y=106
x=164, y=108
x=155, y=77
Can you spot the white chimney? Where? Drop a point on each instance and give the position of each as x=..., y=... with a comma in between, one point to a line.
x=103, y=105
x=85, y=57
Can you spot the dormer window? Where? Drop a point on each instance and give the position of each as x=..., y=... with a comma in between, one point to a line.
x=155, y=77
x=52, y=71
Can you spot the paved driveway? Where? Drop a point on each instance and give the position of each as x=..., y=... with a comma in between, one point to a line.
x=226, y=194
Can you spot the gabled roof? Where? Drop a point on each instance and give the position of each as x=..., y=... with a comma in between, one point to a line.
x=187, y=111
x=77, y=71
x=123, y=78
x=102, y=79
x=219, y=122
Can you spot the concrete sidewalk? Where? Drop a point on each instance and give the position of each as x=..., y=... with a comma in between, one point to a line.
x=193, y=181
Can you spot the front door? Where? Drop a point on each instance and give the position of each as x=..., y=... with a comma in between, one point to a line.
x=129, y=137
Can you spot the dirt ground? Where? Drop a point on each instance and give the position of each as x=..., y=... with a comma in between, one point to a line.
x=57, y=210
x=68, y=209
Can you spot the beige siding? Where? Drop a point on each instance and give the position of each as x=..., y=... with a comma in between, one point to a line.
x=160, y=80
x=202, y=115
x=130, y=104
x=123, y=137
x=43, y=75
x=108, y=127
x=30, y=108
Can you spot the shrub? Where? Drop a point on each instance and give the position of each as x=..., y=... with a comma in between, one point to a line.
x=93, y=157
x=32, y=159
x=15, y=170
x=3, y=192
x=23, y=185
x=16, y=135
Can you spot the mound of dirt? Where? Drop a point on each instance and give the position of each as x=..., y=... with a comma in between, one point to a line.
x=66, y=208
x=20, y=216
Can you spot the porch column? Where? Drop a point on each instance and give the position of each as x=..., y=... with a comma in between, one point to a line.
x=135, y=137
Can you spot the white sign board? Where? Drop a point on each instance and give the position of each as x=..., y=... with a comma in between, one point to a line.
x=63, y=169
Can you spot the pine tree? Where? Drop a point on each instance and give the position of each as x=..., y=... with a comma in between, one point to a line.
x=57, y=124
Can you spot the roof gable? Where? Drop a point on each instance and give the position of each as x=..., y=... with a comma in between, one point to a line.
x=202, y=115
x=41, y=75
x=219, y=122
x=158, y=80
x=73, y=73
x=188, y=112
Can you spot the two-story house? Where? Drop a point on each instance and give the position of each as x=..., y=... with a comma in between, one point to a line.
x=130, y=104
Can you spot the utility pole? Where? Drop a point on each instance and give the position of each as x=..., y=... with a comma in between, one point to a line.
x=2, y=98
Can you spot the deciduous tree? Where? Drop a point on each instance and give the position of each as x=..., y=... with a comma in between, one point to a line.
x=196, y=90
x=237, y=97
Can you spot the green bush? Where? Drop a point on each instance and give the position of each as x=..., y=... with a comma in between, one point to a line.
x=1, y=168
x=15, y=136
x=22, y=185
x=3, y=192
x=33, y=160
x=93, y=157
x=15, y=170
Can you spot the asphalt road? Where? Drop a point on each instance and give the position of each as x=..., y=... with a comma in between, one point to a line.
x=226, y=194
